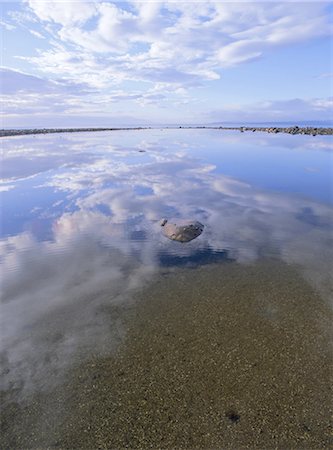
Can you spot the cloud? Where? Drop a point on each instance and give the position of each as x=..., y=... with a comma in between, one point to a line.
x=171, y=42
x=325, y=75
x=157, y=55
x=32, y=95
x=7, y=26
x=37, y=34
x=64, y=13
x=319, y=109
x=24, y=94
x=14, y=81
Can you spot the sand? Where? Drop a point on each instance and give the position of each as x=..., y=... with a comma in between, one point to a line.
x=220, y=356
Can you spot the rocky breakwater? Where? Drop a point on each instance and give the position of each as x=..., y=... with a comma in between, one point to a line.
x=14, y=132
x=290, y=130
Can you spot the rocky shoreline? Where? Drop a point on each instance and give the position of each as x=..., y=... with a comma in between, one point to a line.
x=290, y=130
x=314, y=131
x=11, y=132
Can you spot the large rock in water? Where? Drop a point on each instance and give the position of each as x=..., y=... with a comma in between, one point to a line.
x=181, y=230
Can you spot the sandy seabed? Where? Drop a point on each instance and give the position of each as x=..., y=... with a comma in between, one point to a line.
x=219, y=356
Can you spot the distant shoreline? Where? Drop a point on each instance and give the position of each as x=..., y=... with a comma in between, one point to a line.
x=289, y=130
x=13, y=132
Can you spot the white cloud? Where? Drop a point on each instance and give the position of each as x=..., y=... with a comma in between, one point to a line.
x=169, y=41
x=325, y=75
x=239, y=52
x=27, y=94
x=151, y=54
x=15, y=81
x=67, y=13
x=7, y=26
x=323, y=104
x=320, y=109
x=37, y=34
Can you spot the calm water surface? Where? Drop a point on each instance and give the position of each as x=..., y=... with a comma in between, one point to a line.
x=80, y=228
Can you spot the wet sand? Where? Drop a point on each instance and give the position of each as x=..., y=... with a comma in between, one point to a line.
x=221, y=356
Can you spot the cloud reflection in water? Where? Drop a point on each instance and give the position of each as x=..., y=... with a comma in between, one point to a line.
x=61, y=289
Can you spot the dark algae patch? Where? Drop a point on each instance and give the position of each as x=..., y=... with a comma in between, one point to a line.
x=233, y=416
x=222, y=356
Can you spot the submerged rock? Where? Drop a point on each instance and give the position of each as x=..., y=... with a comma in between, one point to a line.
x=181, y=230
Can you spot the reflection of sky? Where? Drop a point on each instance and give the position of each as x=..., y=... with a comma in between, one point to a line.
x=283, y=163
x=83, y=232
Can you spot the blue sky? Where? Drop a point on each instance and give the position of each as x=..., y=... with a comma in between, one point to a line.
x=109, y=63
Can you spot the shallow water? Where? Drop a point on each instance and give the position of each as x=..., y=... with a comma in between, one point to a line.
x=80, y=239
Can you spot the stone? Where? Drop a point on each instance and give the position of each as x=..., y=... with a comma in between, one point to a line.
x=181, y=230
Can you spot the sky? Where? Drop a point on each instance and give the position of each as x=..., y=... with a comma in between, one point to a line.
x=106, y=63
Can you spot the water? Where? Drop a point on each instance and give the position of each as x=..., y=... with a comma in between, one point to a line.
x=81, y=239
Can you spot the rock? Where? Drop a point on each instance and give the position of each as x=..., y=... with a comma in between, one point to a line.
x=181, y=230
